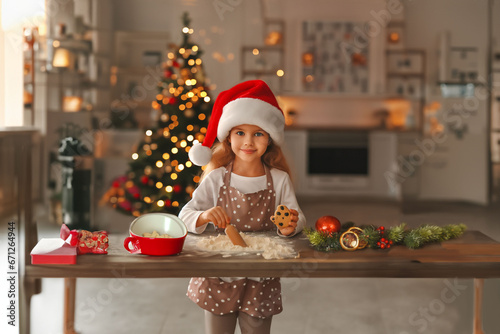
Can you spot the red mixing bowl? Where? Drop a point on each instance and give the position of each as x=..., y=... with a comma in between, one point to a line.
x=163, y=223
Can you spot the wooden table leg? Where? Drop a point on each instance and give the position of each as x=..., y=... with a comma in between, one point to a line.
x=478, y=301
x=69, y=305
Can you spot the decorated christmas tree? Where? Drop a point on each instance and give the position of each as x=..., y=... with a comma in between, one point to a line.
x=161, y=178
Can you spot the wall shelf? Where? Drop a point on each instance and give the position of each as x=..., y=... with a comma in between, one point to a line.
x=406, y=79
x=264, y=61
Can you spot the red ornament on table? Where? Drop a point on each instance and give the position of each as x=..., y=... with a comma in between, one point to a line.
x=328, y=224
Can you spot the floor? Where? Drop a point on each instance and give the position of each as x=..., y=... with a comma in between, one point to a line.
x=341, y=305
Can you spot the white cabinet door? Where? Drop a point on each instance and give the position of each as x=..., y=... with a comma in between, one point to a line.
x=394, y=170
x=295, y=150
x=384, y=171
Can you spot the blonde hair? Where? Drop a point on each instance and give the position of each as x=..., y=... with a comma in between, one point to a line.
x=223, y=155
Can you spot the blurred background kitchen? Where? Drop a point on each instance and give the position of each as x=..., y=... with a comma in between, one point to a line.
x=401, y=97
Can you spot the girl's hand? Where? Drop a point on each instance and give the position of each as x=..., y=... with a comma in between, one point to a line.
x=293, y=223
x=216, y=215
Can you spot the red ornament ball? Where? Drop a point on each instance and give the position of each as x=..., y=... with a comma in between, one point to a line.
x=177, y=188
x=144, y=179
x=328, y=224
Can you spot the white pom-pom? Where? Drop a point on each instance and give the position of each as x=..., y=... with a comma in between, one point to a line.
x=200, y=155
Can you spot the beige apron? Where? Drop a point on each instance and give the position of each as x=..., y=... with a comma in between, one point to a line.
x=248, y=212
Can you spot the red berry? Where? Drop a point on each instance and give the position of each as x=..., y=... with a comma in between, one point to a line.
x=382, y=228
x=378, y=243
x=388, y=246
x=382, y=246
x=391, y=242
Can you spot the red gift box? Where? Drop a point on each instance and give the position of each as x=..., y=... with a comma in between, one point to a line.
x=63, y=250
x=53, y=251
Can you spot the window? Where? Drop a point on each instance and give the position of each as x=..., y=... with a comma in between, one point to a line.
x=14, y=16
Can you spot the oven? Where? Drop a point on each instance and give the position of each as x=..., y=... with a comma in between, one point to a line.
x=337, y=159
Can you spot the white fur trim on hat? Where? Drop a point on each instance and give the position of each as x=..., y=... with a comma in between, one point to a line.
x=254, y=112
x=200, y=155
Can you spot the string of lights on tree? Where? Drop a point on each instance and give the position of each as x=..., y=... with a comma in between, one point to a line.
x=161, y=177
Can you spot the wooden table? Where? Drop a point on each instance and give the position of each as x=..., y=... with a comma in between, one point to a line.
x=474, y=255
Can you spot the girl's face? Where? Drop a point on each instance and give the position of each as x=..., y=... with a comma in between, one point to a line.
x=248, y=142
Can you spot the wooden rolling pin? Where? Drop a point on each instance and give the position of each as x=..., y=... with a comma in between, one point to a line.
x=235, y=237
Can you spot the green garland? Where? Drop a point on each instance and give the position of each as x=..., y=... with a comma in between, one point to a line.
x=399, y=235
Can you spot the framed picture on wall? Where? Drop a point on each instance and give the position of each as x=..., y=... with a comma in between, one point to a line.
x=464, y=64
x=334, y=57
x=405, y=86
x=405, y=62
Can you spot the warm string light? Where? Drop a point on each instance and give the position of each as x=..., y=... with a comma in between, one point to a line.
x=187, y=30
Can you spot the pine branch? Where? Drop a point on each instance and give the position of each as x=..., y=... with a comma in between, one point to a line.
x=322, y=241
x=429, y=233
x=397, y=233
x=453, y=231
x=371, y=235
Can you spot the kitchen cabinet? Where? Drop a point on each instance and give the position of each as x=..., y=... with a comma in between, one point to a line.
x=392, y=171
x=395, y=164
x=456, y=157
x=295, y=150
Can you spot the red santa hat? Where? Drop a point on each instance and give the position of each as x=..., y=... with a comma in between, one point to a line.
x=250, y=102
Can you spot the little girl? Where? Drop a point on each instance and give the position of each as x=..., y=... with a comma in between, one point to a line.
x=246, y=178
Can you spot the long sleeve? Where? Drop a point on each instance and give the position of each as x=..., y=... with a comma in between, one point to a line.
x=204, y=198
